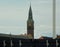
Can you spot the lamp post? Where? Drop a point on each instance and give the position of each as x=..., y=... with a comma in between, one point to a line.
x=54, y=19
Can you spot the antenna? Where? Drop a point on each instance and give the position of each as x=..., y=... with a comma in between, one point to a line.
x=10, y=35
x=30, y=2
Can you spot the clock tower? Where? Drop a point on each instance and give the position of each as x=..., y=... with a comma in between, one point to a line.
x=30, y=24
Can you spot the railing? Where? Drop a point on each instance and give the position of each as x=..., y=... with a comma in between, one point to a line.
x=29, y=43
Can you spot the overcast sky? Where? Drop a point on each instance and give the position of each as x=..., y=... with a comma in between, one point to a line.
x=14, y=15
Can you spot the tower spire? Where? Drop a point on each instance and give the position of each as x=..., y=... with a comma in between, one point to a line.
x=30, y=24
x=30, y=12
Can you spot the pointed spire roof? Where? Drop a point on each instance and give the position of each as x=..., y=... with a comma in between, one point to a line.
x=30, y=12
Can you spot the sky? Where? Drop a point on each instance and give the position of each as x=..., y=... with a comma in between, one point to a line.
x=14, y=15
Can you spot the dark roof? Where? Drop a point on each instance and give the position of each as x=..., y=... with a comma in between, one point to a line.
x=45, y=37
x=14, y=36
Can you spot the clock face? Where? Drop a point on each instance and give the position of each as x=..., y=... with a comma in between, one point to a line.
x=29, y=24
